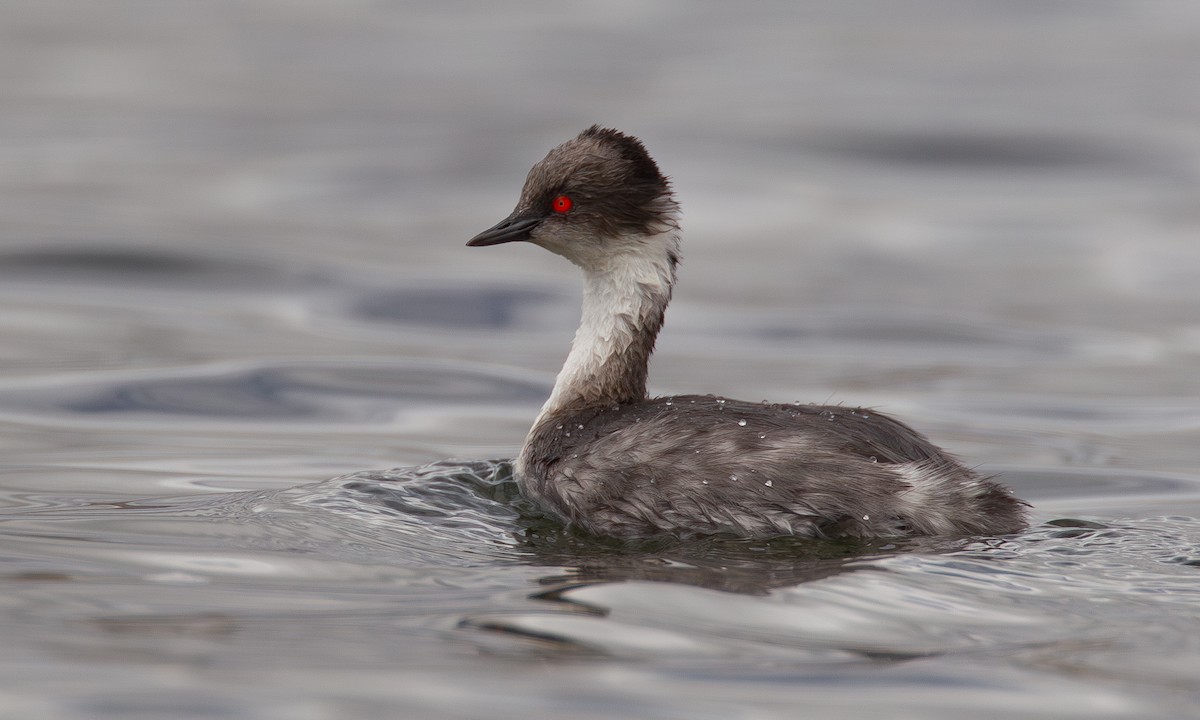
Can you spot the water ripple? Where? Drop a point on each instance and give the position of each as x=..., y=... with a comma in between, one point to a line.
x=339, y=392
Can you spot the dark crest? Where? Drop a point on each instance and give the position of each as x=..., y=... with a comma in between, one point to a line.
x=643, y=169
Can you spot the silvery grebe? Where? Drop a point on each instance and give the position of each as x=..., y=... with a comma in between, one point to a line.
x=612, y=461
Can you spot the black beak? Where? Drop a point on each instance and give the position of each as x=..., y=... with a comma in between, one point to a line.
x=510, y=229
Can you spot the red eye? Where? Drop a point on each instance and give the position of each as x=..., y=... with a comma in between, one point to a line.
x=561, y=204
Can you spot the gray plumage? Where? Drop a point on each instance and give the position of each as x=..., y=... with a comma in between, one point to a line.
x=611, y=461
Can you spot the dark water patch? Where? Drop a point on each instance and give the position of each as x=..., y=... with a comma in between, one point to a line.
x=1076, y=524
x=728, y=564
x=1074, y=528
x=908, y=331
x=461, y=308
x=306, y=392
x=133, y=266
x=962, y=151
x=949, y=338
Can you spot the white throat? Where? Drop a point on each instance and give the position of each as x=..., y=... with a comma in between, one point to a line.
x=624, y=297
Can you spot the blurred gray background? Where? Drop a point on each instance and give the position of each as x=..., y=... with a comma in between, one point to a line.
x=896, y=203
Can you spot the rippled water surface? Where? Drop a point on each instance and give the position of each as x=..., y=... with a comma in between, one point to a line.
x=233, y=292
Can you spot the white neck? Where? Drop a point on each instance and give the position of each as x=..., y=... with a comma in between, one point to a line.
x=624, y=298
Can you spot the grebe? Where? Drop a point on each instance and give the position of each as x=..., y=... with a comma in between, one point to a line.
x=612, y=461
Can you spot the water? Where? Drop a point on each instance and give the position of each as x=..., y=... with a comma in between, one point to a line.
x=233, y=292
